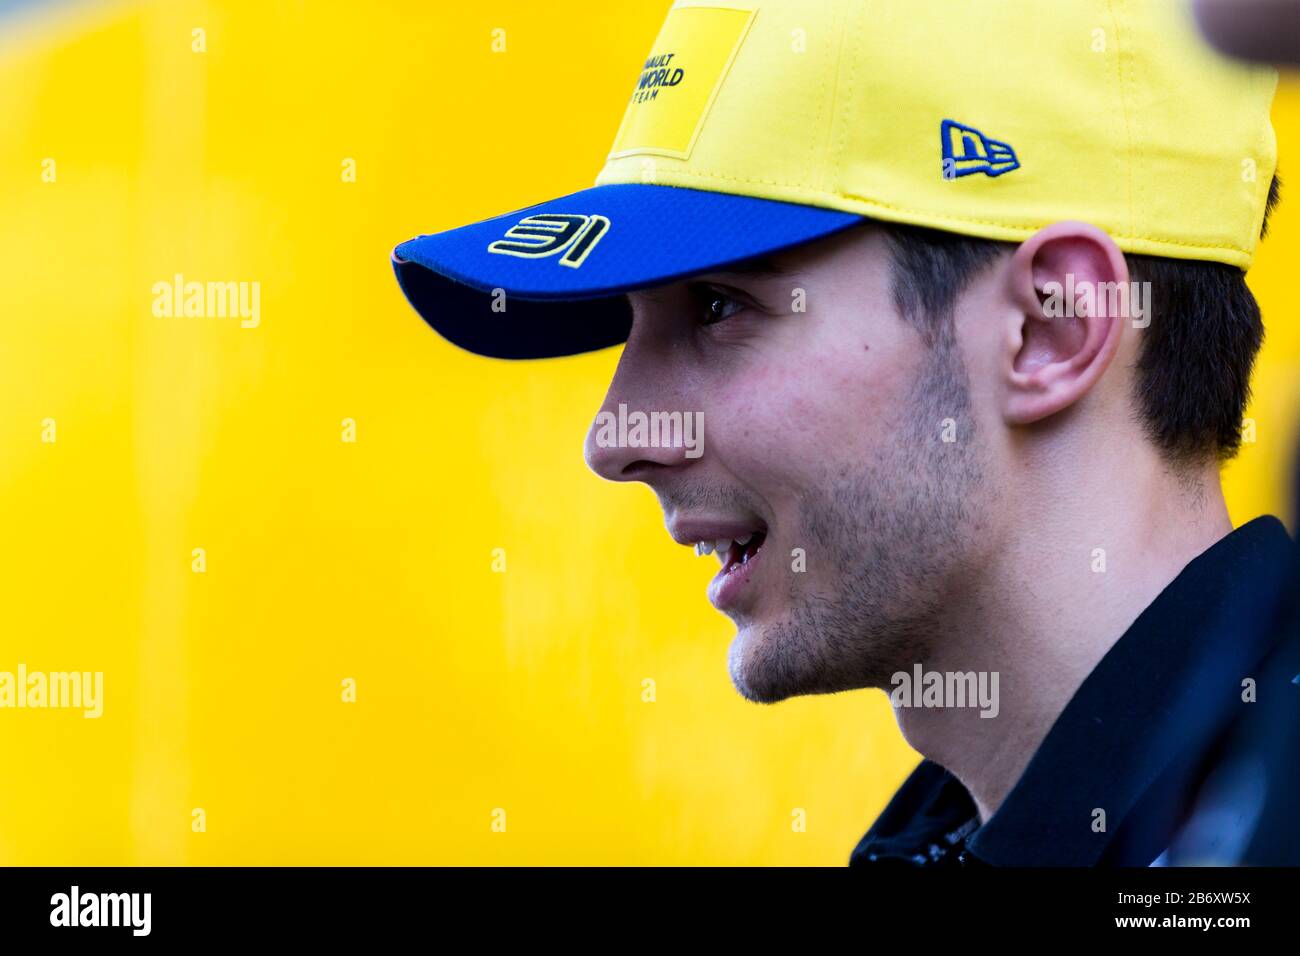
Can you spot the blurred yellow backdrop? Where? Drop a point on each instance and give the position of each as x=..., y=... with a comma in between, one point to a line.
x=134, y=149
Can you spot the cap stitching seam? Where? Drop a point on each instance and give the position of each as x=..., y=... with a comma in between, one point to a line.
x=1122, y=64
x=825, y=138
x=848, y=98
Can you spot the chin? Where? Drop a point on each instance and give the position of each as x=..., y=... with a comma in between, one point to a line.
x=774, y=661
x=760, y=671
x=736, y=663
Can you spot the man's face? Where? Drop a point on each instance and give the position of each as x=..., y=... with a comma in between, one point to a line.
x=840, y=463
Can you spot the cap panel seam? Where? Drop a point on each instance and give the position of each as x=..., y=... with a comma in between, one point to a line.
x=849, y=89
x=1123, y=64
x=826, y=124
x=826, y=111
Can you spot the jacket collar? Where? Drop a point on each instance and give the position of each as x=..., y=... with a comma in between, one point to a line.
x=1137, y=724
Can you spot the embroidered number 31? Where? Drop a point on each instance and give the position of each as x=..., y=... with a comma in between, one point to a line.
x=549, y=234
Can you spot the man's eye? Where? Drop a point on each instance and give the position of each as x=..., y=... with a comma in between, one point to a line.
x=716, y=305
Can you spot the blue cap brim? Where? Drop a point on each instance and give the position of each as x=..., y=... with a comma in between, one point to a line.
x=651, y=235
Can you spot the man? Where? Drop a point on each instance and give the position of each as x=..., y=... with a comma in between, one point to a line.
x=958, y=293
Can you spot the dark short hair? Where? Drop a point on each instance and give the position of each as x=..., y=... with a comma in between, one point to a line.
x=1195, y=358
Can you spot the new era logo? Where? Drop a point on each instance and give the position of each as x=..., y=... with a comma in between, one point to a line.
x=967, y=151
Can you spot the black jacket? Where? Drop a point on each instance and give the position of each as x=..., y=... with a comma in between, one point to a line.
x=1162, y=736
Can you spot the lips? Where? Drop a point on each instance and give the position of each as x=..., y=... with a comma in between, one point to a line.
x=737, y=546
x=732, y=585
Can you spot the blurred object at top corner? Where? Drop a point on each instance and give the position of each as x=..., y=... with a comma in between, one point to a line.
x=1264, y=30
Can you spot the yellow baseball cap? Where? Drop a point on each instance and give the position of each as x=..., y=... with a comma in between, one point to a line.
x=753, y=127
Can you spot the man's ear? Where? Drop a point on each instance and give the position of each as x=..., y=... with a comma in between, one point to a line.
x=1066, y=323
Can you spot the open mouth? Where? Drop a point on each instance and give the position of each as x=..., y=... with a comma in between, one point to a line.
x=733, y=553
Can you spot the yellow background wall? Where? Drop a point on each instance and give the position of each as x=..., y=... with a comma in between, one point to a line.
x=372, y=560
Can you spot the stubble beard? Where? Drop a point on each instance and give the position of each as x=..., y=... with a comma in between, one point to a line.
x=889, y=538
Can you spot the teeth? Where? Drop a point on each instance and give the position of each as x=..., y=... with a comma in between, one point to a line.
x=722, y=547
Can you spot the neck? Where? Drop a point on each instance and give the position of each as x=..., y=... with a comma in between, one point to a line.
x=1051, y=599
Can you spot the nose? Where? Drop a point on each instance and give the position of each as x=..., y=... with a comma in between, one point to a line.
x=630, y=443
x=642, y=431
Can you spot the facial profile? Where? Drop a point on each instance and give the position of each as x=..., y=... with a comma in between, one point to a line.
x=840, y=515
